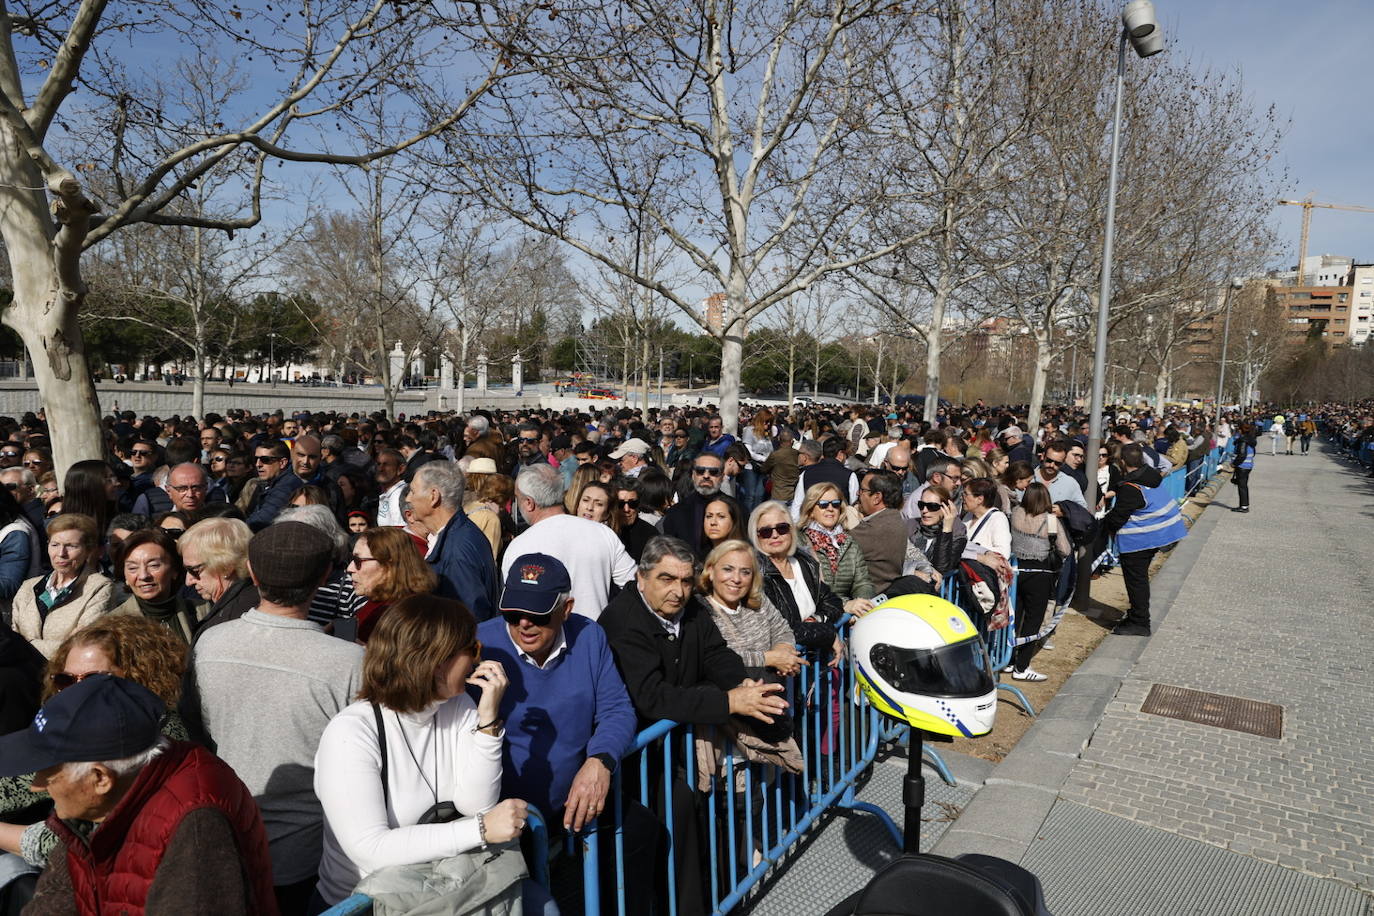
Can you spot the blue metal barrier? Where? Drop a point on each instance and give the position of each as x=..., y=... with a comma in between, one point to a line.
x=1002, y=643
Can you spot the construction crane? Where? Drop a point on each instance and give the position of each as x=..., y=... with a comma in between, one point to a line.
x=1307, y=204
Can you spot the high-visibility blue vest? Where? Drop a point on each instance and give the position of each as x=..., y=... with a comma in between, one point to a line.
x=1248, y=461
x=1158, y=524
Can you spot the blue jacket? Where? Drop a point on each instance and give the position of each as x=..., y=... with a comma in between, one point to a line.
x=717, y=447
x=461, y=557
x=559, y=715
x=1157, y=524
x=271, y=498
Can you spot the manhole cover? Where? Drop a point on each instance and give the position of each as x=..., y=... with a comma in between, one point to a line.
x=1250, y=716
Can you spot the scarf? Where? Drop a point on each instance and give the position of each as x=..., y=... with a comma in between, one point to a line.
x=172, y=614
x=826, y=543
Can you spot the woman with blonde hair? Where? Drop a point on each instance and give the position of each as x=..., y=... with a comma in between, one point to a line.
x=478, y=504
x=753, y=628
x=214, y=555
x=587, y=473
x=48, y=608
x=843, y=566
x=385, y=568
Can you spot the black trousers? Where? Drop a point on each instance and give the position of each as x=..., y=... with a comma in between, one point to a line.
x=1242, y=482
x=1033, y=593
x=1135, y=569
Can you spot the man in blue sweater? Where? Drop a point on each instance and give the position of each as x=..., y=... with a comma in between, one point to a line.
x=568, y=717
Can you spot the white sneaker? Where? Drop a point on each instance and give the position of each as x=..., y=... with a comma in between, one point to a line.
x=1030, y=674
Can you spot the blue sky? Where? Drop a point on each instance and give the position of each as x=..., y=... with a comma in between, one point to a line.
x=1312, y=60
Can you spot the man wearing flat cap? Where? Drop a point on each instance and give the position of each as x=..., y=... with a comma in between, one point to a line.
x=633, y=455
x=146, y=824
x=268, y=683
x=568, y=717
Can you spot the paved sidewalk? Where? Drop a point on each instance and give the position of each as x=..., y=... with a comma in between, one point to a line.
x=1124, y=812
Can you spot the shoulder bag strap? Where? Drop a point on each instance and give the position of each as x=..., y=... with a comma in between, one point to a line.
x=381, y=744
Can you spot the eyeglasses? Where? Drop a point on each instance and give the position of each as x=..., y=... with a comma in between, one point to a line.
x=896, y=467
x=190, y=487
x=513, y=618
x=217, y=459
x=929, y=507
x=266, y=459
x=706, y=471
x=195, y=571
x=779, y=529
x=62, y=680
x=829, y=503
x=11, y=486
x=33, y=464
x=356, y=562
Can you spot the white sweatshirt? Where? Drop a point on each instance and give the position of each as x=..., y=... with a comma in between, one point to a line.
x=362, y=835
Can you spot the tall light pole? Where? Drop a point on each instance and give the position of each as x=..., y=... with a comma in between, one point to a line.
x=1138, y=26
x=1225, y=342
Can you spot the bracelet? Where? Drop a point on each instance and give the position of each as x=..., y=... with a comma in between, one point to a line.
x=494, y=722
x=481, y=829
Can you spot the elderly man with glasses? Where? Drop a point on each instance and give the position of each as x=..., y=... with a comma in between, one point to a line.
x=568, y=717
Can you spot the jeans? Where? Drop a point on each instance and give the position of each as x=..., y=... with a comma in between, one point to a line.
x=1194, y=469
x=1306, y=442
x=1135, y=569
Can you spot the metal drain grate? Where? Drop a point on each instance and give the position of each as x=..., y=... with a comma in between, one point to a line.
x=1235, y=713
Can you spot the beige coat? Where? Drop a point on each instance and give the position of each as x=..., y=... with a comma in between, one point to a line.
x=91, y=597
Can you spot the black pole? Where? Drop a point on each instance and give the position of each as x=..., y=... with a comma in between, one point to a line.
x=913, y=793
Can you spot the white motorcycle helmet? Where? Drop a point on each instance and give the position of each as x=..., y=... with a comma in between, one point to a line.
x=918, y=658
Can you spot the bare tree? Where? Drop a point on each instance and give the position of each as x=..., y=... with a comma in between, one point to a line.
x=760, y=116
x=132, y=123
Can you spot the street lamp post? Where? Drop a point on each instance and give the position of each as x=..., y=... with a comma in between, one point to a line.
x=272, y=357
x=1142, y=31
x=1225, y=342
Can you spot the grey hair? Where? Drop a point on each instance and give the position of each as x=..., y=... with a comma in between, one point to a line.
x=334, y=443
x=664, y=546
x=125, y=766
x=942, y=466
x=542, y=483
x=479, y=423
x=766, y=508
x=320, y=517
x=25, y=476
x=811, y=448
x=444, y=476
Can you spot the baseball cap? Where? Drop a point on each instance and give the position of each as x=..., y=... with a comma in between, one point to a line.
x=290, y=555
x=101, y=717
x=631, y=447
x=534, y=583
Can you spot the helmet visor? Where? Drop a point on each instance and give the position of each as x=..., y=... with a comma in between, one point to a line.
x=958, y=670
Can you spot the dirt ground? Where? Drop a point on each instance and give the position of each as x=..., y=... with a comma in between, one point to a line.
x=1078, y=634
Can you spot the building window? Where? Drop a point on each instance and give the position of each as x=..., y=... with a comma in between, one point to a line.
x=1341, y=297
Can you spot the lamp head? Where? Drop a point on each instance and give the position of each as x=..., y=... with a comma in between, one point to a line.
x=1142, y=28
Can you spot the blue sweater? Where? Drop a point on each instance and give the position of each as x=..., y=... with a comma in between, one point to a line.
x=558, y=716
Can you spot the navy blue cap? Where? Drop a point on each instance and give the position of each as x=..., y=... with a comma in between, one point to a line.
x=101, y=717
x=534, y=583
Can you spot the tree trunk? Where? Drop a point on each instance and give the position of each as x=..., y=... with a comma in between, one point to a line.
x=644, y=371
x=731, y=362
x=1161, y=389
x=384, y=370
x=1043, y=358
x=791, y=370
x=937, y=321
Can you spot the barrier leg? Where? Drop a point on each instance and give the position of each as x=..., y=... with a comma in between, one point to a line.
x=1020, y=698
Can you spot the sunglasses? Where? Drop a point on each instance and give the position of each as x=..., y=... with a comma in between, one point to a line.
x=141, y=453
x=780, y=528
x=1051, y=461
x=266, y=459
x=929, y=507
x=356, y=562
x=218, y=459
x=173, y=533
x=62, y=680
x=829, y=503
x=33, y=464
x=11, y=486
x=630, y=503
x=514, y=618
x=195, y=571
x=897, y=467
x=679, y=437
x=706, y=471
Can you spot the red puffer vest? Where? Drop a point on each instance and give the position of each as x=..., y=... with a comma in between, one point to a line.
x=111, y=876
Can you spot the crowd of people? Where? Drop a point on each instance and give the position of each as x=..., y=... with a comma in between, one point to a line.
x=255, y=663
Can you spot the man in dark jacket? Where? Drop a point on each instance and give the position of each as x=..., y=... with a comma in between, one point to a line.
x=828, y=469
x=461, y=553
x=675, y=663
x=684, y=520
x=276, y=483
x=677, y=666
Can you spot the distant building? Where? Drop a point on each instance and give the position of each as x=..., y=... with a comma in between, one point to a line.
x=1361, y=285
x=1326, y=270
x=713, y=310
x=1306, y=308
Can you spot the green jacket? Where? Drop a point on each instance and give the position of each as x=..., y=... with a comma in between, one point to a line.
x=850, y=579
